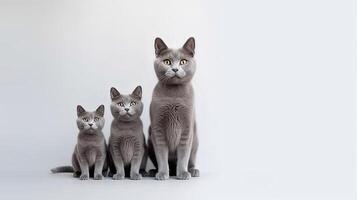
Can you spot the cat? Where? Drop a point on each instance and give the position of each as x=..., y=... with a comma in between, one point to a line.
x=89, y=156
x=173, y=142
x=127, y=147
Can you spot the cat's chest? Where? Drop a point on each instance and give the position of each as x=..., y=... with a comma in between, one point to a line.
x=172, y=106
x=125, y=130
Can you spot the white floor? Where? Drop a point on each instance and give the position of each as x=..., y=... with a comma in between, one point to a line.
x=38, y=186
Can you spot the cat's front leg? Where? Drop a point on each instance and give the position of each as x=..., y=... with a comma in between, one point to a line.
x=162, y=153
x=183, y=156
x=83, y=164
x=118, y=163
x=135, y=167
x=98, y=167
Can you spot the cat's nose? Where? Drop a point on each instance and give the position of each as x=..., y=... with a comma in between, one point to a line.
x=126, y=109
x=174, y=69
x=90, y=124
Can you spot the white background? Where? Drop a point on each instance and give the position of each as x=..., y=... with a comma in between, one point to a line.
x=275, y=93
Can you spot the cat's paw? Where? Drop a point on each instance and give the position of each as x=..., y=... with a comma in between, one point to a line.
x=162, y=176
x=84, y=177
x=76, y=174
x=118, y=176
x=135, y=176
x=98, y=177
x=194, y=172
x=183, y=175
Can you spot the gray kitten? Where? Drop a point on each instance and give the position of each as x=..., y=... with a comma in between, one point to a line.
x=173, y=141
x=89, y=156
x=127, y=148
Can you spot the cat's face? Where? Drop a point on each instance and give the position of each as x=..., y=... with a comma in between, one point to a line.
x=175, y=66
x=90, y=121
x=126, y=107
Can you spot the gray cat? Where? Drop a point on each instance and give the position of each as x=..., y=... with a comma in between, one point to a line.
x=127, y=148
x=173, y=141
x=89, y=156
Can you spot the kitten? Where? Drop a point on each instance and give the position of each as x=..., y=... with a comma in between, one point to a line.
x=173, y=141
x=89, y=156
x=127, y=148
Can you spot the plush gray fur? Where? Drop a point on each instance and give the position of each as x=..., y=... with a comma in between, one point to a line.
x=173, y=141
x=89, y=156
x=127, y=148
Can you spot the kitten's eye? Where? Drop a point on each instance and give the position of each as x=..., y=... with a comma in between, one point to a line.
x=121, y=104
x=85, y=119
x=132, y=103
x=96, y=119
x=183, y=61
x=167, y=62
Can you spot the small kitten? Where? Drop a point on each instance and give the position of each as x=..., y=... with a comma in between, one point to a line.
x=173, y=140
x=127, y=148
x=89, y=156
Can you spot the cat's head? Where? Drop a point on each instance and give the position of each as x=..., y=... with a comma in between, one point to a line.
x=90, y=121
x=175, y=66
x=126, y=107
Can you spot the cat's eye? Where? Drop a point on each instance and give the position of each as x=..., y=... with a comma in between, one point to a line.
x=121, y=104
x=85, y=119
x=96, y=119
x=183, y=61
x=167, y=62
x=132, y=103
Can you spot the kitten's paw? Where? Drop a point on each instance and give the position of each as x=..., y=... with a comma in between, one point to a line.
x=183, y=175
x=162, y=176
x=76, y=174
x=135, y=176
x=84, y=177
x=118, y=176
x=98, y=177
x=194, y=172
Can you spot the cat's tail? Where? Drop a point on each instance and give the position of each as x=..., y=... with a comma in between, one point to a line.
x=62, y=169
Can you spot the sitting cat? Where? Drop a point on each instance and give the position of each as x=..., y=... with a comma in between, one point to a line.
x=173, y=140
x=89, y=156
x=127, y=148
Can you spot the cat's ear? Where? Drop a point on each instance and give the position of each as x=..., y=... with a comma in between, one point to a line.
x=100, y=110
x=159, y=46
x=137, y=93
x=80, y=110
x=189, y=46
x=114, y=93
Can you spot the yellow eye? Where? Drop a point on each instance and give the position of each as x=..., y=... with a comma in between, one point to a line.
x=167, y=62
x=121, y=104
x=85, y=119
x=183, y=61
x=96, y=119
x=132, y=103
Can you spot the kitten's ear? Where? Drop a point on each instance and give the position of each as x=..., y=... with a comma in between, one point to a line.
x=100, y=110
x=138, y=92
x=114, y=93
x=189, y=46
x=159, y=46
x=80, y=110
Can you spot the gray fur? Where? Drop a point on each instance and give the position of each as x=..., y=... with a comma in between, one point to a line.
x=127, y=148
x=173, y=141
x=89, y=156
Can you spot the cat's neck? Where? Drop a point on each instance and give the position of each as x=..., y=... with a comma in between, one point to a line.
x=173, y=86
x=134, y=121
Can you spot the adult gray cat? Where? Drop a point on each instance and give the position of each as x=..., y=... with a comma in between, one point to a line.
x=89, y=156
x=173, y=141
x=127, y=148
